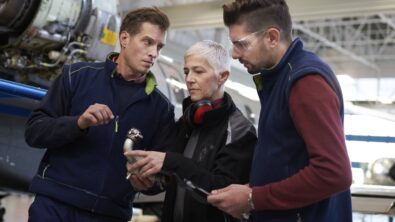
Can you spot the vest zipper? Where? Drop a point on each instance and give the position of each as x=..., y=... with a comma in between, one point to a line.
x=299, y=218
x=44, y=171
x=116, y=124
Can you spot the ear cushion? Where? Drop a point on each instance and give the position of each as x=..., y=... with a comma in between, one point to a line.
x=194, y=113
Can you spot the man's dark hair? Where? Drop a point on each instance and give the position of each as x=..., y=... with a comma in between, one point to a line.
x=134, y=19
x=259, y=14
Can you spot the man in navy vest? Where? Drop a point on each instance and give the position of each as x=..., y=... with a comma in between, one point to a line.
x=301, y=170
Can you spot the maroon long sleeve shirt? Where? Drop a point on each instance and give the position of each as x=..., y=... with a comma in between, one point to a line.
x=314, y=108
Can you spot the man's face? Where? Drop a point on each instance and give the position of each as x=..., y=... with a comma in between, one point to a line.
x=249, y=48
x=201, y=80
x=141, y=50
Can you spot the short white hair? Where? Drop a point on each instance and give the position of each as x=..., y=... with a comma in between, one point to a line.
x=216, y=54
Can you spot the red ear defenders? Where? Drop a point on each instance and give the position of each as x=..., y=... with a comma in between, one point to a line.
x=194, y=113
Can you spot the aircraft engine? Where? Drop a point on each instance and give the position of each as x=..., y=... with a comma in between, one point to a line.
x=38, y=36
x=381, y=171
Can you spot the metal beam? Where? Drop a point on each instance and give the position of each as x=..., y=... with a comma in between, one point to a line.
x=193, y=16
x=335, y=46
x=209, y=14
x=319, y=9
x=387, y=20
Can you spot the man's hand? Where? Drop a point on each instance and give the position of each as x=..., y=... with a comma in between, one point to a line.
x=148, y=164
x=232, y=199
x=139, y=183
x=97, y=114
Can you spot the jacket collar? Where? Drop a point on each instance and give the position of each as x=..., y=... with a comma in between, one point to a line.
x=269, y=75
x=295, y=46
x=216, y=115
x=111, y=67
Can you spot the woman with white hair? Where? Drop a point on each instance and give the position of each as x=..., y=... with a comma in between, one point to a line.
x=215, y=142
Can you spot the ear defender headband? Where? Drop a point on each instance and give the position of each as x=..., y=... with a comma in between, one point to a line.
x=194, y=114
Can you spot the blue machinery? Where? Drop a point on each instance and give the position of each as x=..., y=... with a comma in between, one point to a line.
x=17, y=89
x=18, y=99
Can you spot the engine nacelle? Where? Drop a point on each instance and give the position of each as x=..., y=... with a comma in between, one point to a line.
x=38, y=36
x=381, y=172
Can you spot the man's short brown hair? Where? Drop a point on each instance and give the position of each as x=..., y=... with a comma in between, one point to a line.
x=259, y=14
x=134, y=19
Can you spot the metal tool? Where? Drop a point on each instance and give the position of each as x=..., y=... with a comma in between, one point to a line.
x=132, y=138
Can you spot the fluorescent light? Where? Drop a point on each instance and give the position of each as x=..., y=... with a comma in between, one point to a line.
x=385, y=101
x=171, y=60
x=246, y=91
x=345, y=79
x=176, y=83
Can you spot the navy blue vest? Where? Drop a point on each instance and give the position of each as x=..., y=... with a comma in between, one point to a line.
x=281, y=152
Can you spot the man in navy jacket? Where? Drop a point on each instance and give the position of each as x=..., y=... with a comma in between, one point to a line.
x=83, y=121
x=301, y=170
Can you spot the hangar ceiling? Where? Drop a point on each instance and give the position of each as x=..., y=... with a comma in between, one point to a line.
x=356, y=37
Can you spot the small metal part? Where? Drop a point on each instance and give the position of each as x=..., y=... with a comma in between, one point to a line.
x=133, y=136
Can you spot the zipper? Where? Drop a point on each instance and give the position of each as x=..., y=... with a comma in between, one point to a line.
x=116, y=124
x=299, y=218
x=44, y=171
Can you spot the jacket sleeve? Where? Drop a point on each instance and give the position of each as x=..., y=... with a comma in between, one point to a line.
x=49, y=125
x=164, y=140
x=165, y=136
x=232, y=162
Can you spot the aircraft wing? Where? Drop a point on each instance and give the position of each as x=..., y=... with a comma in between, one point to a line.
x=18, y=99
x=18, y=161
x=373, y=199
